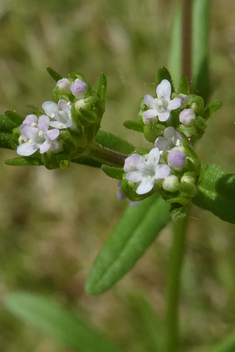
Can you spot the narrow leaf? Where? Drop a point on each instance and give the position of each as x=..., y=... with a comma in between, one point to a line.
x=200, y=48
x=62, y=324
x=217, y=192
x=38, y=111
x=212, y=108
x=184, y=85
x=114, y=172
x=6, y=125
x=134, y=126
x=21, y=161
x=102, y=84
x=110, y=141
x=163, y=73
x=175, y=47
x=86, y=160
x=7, y=140
x=55, y=75
x=133, y=235
x=14, y=117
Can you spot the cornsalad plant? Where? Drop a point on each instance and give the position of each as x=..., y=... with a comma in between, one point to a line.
x=160, y=181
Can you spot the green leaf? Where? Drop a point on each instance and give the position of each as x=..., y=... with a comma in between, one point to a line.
x=200, y=48
x=8, y=141
x=110, y=141
x=55, y=75
x=176, y=44
x=163, y=73
x=134, y=126
x=15, y=118
x=132, y=236
x=38, y=111
x=212, y=108
x=86, y=160
x=102, y=84
x=62, y=324
x=22, y=161
x=114, y=172
x=6, y=125
x=217, y=192
x=184, y=85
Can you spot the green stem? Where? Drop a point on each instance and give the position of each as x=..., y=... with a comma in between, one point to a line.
x=108, y=156
x=173, y=284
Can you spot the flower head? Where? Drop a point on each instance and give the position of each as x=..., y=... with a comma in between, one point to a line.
x=145, y=170
x=162, y=105
x=79, y=88
x=187, y=116
x=170, y=140
x=64, y=85
x=176, y=159
x=36, y=135
x=59, y=113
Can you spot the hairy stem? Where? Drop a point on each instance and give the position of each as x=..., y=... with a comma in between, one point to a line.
x=108, y=156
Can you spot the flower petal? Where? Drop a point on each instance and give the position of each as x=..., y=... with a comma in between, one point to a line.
x=134, y=176
x=145, y=186
x=174, y=104
x=27, y=149
x=53, y=134
x=58, y=124
x=164, y=90
x=164, y=116
x=64, y=106
x=29, y=131
x=43, y=123
x=154, y=156
x=134, y=162
x=162, y=171
x=31, y=119
x=149, y=114
x=50, y=108
x=45, y=147
x=173, y=137
x=162, y=143
x=149, y=101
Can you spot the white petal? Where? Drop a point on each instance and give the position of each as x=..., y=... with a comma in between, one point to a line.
x=134, y=162
x=174, y=104
x=149, y=101
x=149, y=114
x=27, y=149
x=29, y=131
x=43, y=123
x=162, y=143
x=31, y=119
x=50, y=108
x=53, y=134
x=173, y=137
x=63, y=105
x=164, y=90
x=162, y=171
x=44, y=147
x=164, y=116
x=154, y=156
x=145, y=186
x=134, y=176
x=57, y=124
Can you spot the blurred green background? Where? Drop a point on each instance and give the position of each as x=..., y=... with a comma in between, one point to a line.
x=53, y=223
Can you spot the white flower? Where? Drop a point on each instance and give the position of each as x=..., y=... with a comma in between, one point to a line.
x=162, y=105
x=36, y=135
x=170, y=140
x=145, y=170
x=64, y=85
x=60, y=113
x=187, y=116
x=79, y=88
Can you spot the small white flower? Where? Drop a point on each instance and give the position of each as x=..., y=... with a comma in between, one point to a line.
x=162, y=105
x=79, y=88
x=36, y=135
x=187, y=116
x=145, y=170
x=64, y=85
x=170, y=140
x=59, y=113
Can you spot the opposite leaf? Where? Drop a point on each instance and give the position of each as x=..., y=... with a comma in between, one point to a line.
x=62, y=324
x=133, y=235
x=216, y=192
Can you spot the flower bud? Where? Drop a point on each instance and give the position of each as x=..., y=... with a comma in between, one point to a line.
x=176, y=159
x=170, y=183
x=64, y=85
x=79, y=88
x=187, y=116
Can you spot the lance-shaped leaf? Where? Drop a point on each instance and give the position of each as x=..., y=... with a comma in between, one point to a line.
x=21, y=161
x=14, y=117
x=110, y=141
x=6, y=125
x=184, y=85
x=132, y=236
x=102, y=84
x=212, y=108
x=62, y=324
x=55, y=75
x=8, y=141
x=114, y=172
x=134, y=126
x=217, y=192
x=163, y=73
x=87, y=160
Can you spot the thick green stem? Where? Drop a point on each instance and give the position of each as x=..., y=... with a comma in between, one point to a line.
x=173, y=284
x=108, y=156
